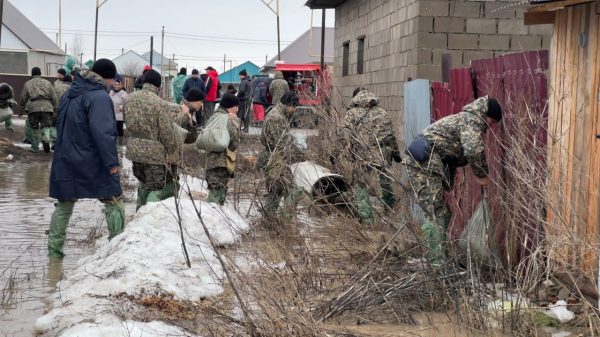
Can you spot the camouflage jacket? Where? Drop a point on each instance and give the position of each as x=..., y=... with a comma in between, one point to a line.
x=150, y=124
x=219, y=159
x=279, y=146
x=7, y=99
x=61, y=88
x=367, y=132
x=38, y=95
x=458, y=139
x=278, y=87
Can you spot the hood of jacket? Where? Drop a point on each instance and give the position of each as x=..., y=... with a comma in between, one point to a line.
x=365, y=99
x=279, y=75
x=151, y=87
x=478, y=107
x=86, y=82
x=212, y=74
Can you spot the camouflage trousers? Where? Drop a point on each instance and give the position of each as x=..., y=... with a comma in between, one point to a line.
x=217, y=179
x=157, y=182
x=429, y=189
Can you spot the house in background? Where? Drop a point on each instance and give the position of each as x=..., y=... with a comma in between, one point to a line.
x=130, y=63
x=306, y=49
x=381, y=44
x=157, y=63
x=232, y=76
x=24, y=46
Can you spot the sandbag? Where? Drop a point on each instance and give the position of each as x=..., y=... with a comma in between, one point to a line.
x=215, y=136
x=5, y=114
x=478, y=240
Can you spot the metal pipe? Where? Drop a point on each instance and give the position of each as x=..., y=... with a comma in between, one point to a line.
x=1, y=17
x=151, y=50
x=162, y=63
x=319, y=181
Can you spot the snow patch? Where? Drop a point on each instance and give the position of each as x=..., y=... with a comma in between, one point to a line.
x=146, y=258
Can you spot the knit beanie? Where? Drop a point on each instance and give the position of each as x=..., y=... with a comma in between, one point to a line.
x=195, y=95
x=290, y=99
x=183, y=71
x=35, y=71
x=105, y=68
x=357, y=90
x=4, y=90
x=229, y=101
x=494, y=110
x=62, y=72
x=153, y=77
x=243, y=73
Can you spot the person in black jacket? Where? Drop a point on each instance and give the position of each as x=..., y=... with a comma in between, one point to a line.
x=245, y=96
x=194, y=82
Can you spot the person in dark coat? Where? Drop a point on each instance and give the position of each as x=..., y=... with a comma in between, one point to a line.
x=195, y=82
x=245, y=96
x=85, y=163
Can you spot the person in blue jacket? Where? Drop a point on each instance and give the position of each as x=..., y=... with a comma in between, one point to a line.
x=85, y=163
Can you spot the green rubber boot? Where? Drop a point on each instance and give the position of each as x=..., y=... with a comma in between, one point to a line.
x=165, y=193
x=363, y=206
x=217, y=196
x=58, y=228
x=28, y=131
x=435, y=239
x=142, y=196
x=8, y=124
x=115, y=217
x=35, y=140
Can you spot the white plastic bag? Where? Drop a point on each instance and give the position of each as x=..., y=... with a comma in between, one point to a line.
x=560, y=312
x=478, y=240
x=215, y=136
x=5, y=114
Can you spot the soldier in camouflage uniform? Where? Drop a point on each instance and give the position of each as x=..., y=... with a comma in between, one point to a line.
x=279, y=152
x=368, y=136
x=6, y=102
x=153, y=146
x=434, y=155
x=220, y=166
x=38, y=98
x=278, y=87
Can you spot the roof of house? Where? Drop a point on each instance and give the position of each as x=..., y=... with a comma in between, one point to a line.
x=307, y=48
x=157, y=59
x=232, y=75
x=324, y=4
x=25, y=30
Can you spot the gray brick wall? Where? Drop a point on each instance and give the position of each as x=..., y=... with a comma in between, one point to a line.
x=406, y=38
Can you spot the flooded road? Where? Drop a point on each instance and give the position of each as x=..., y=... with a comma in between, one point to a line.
x=25, y=211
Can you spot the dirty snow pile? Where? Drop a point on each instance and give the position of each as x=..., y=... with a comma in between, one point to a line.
x=145, y=258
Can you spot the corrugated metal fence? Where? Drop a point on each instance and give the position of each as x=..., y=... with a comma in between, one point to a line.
x=518, y=81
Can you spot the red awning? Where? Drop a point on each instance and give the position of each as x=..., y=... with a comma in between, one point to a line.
x=297, y=67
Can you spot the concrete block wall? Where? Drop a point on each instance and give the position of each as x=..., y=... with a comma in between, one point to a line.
x=406, y=38
x=391, y=32
x=474, y=30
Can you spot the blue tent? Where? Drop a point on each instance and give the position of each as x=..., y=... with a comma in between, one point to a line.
x=232, y=75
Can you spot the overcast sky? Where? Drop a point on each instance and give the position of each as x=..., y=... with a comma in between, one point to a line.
x=241, y=29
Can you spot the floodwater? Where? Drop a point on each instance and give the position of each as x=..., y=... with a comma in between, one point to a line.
x=25, y=211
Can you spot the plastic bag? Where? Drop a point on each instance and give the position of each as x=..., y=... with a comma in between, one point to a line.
x=478, y=240
x=215, y=136
x=180, y=133
x=5, y=114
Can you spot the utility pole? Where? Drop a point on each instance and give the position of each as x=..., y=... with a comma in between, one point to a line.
x=60, y=23
x=162, y=61
x=66, y=50
x=322, y=39
x=224, y=61
x=276, y=12
x=122, y=51
x=1, y=13
x=98, y=5
x=151, y=49
x=81, y=60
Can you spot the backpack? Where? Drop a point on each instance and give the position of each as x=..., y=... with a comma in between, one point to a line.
x=215, y=136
